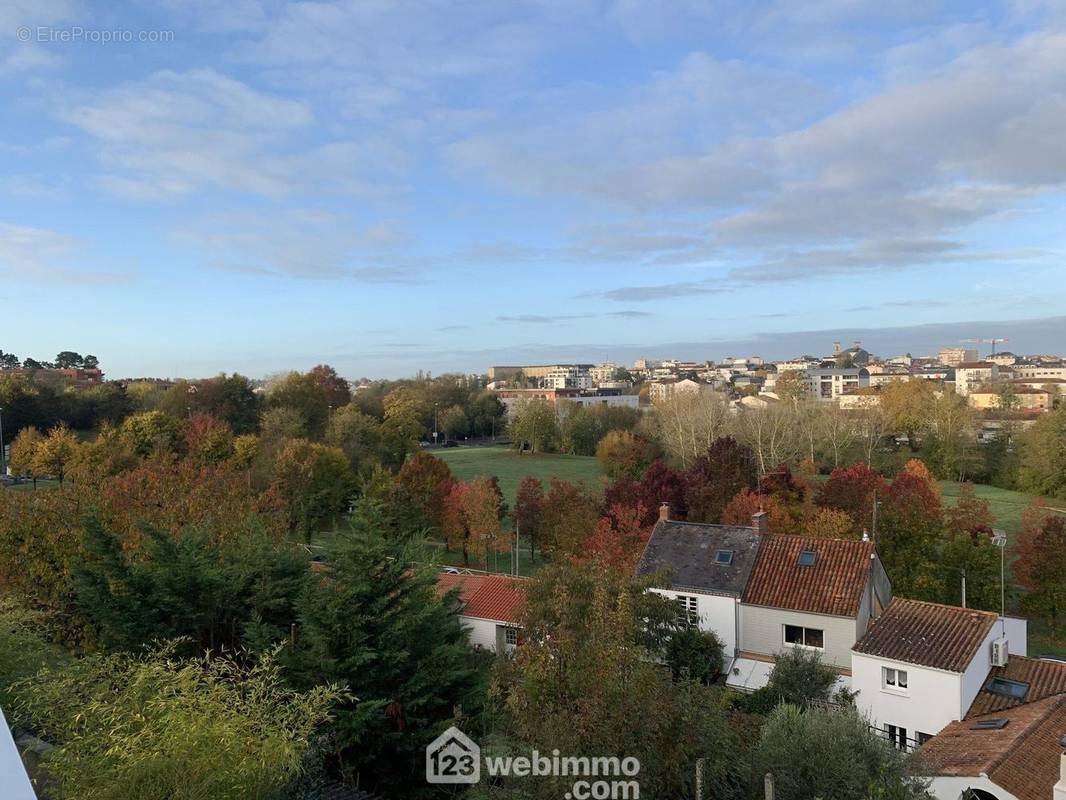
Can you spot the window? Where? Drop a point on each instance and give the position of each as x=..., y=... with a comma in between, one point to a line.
x=894, y=679
x=804, y=637
x=1008, y=688
x=688, y=613
x=922, y=737
x=807, y=558
x=723, y=557
x=510, y=637
x=897, y=735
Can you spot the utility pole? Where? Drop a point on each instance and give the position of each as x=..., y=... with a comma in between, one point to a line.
x=999, y=539
x=3, y=459
x=963, y=571
x=873, y=528
x=768, y=786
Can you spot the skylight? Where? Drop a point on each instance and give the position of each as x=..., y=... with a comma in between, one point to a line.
x=806, y=558
x=1008, y=688
x=723, y=557
x=989, y=725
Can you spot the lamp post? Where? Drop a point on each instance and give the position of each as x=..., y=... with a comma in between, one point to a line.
x=435, y=426
x=3, y=458
x=999, y=539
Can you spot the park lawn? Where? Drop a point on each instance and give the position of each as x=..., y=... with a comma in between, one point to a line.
x=511, y=467
x=1006, y=506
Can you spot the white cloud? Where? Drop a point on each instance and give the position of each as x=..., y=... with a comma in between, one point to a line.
x=46, y=256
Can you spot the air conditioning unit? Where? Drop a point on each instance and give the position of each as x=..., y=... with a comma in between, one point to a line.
x=1000, y=653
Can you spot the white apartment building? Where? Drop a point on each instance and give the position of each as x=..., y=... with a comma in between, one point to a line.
x=829, y=383
x=971, y=375
x=1038, y=371
x=567, y=376
x=661, y=389
x=953, y=356
x=602, y=373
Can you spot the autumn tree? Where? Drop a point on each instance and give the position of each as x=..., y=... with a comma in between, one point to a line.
x=313, y=483
x=908, y=530
x=54, y=452
x=453, y=422
x=686, y=424
x=569, y=514
x=853, y=490
x=24, y=450
x=334, y=387
x=529, y=504
x=402, y=428
x=970, y=513
x=417, y=494
x=471, y=519
x=716, y=477
x=746, y=503
x=905, y=408
x=625, y=453
x=305, y=395
x=659, y=484
x=619, y=539
x=1042, y=463
x=207, y=440
x=534, y=426
x=152, y=432
x=1040, y=565
x=358, y=435
x=830, y=523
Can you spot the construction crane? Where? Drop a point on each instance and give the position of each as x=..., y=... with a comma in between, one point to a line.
x=993, y=341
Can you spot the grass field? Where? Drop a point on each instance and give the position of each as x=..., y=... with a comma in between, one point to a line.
x=1006, y=506
x=511, y=467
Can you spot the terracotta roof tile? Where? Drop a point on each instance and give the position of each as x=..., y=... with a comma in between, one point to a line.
x=833, y=584
x=1045, y=678
x=929, y=634
x=1022, y=757
x=495, y=597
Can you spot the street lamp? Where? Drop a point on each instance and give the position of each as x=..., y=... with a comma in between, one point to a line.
x=435, y=426
x=999, y=539
x=3, y=459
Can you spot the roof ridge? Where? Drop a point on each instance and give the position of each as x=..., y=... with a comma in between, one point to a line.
x=946, y=605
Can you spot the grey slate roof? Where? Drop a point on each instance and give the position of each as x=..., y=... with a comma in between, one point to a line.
x=688, y=550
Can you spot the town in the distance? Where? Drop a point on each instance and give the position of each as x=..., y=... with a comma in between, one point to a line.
x=727, y=579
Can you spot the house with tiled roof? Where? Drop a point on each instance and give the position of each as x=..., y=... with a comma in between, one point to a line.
x=704, y=568
x=488, y=606
x=811, y=593
x=925, y=665
x=762, y=594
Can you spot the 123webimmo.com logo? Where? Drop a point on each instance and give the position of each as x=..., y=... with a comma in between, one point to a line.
x=455, y=758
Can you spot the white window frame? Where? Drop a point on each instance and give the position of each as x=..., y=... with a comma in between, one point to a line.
x=690, y=609
x=894, y=680
x=803, y=644
x=510, y=637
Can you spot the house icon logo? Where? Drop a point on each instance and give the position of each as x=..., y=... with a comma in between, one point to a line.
x=453, y=757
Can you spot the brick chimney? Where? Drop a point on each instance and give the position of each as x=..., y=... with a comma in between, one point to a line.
x=664, y=512
x=760, y=522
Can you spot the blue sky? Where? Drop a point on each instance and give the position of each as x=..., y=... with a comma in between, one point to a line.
x=388, y=186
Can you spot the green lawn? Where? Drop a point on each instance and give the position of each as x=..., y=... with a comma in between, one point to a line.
x=511, y=467
x=1006, y=506
x=43, y=483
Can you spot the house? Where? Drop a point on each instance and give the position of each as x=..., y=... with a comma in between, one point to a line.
x=489, y=606
x=829, y=383
x=812, y=593
x=1009, y=745
x=953, y=356
x=922, y=665
x=662, y=389
x=1032, y=401
x=705, y=569
x=972, y=375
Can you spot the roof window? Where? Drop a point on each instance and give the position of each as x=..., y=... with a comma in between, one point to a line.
x=1008, y=688
x=807, y=558
x=724, y=557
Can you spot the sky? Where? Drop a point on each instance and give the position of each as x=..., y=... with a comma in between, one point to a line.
x=196, y=186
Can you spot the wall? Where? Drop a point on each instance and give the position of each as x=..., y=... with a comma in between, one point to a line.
x=975, y=675
x=952, y=788
x=717, y=613
x=933, y=697
x=762, y=631
x=482, y=632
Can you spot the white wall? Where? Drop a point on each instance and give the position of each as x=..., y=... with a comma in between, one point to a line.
x=14, y=783
x=975, y=675
x=762, y=631
x=949, y=788
x=932, y=700
x=1017, y=635
x=717, y=613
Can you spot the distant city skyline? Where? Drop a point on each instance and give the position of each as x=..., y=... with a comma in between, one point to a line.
x=261, y=186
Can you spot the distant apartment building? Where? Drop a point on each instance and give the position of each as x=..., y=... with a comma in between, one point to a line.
x=602, y=373
x=1036, y=371
x=551, y=376
x=972, y=375
x=513, y=398
x=1003, y=359
x=662, y=389
x=827, y=384
x=953, y=356
x=1031, y=401
x=886, y=375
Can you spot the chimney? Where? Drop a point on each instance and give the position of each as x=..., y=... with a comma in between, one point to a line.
x=1059, y=790
x=760, y=522
x=664, y=512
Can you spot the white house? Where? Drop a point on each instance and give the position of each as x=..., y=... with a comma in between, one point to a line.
x=14, y=782
x=705, y=569
x=922, y=665
x=488, y=606
x=811, y=593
